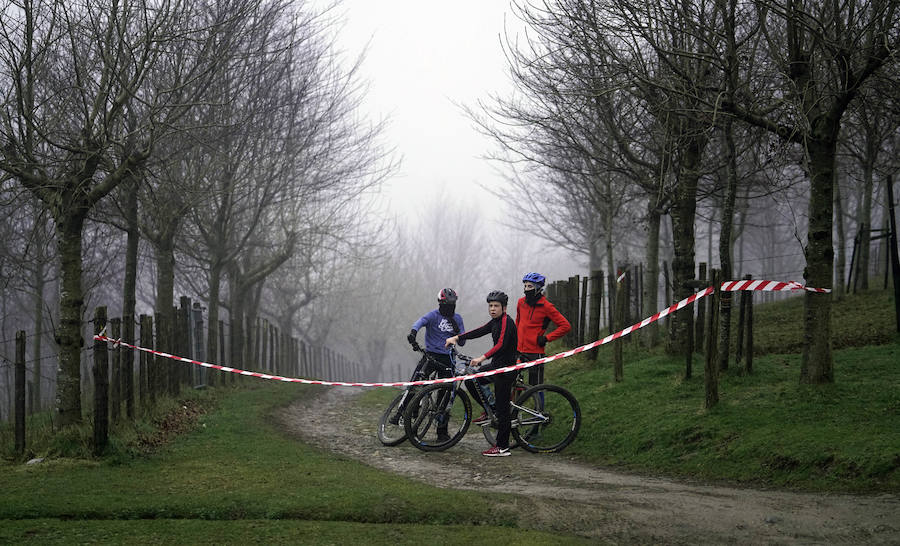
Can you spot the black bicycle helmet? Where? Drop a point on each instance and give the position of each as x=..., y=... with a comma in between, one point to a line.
x=499, y=296
x=447, y=295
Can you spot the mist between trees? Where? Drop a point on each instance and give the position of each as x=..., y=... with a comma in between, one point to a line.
x=217, y=150
x=206, y=148
x=769, y=127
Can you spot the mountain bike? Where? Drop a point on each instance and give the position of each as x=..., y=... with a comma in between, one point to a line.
x=543, y=418
x=438, y=415
x=391, y=431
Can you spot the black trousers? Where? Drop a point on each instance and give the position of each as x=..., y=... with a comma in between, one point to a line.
x=535, y=373
x=503, y=384
x=442, y=366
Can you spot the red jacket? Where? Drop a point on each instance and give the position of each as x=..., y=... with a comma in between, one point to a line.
x=532, y=321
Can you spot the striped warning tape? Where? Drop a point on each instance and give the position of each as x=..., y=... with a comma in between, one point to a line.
x=729, y=286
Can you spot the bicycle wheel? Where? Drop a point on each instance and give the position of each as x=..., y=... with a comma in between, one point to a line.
x=390, y=429
x=545, y=419
x=437, y=417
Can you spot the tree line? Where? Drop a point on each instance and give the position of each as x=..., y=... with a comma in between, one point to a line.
x=216, y=148
x=634, y=119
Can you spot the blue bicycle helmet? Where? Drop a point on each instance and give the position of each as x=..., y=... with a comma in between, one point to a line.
x=534, y=278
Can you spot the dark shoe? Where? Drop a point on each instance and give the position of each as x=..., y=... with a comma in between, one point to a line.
x=395, y=419
x=443, y=437
x=495, y=451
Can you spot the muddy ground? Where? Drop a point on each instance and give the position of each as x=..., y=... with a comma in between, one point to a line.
x=557, y=493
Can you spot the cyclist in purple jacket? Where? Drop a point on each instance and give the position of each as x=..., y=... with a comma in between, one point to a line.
x=439, y=324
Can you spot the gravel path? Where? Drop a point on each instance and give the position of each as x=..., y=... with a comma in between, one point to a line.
x=561, y=494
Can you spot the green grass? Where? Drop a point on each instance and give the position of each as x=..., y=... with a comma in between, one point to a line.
x=237, y=466
x=858, y=320
x=768, y=429
x=186, y=531
x=237, y=478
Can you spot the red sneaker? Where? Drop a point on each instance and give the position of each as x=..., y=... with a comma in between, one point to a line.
x=495, y=451
x=483, y=418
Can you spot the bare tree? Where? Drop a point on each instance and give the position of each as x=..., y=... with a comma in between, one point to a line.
x=867, y=139
x=72, y=72
x=814, y=60
x=287, y=152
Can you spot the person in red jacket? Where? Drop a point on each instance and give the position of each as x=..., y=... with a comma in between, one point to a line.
x=534, y=313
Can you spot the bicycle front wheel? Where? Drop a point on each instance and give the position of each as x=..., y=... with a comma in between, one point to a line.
x=545, y=419
x=390, y=429
x=437, y=417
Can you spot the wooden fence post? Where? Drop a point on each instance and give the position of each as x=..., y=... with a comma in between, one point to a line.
x=748, y=366
x=618, y=324
x=186, y=346
x=711, y=378
x=667, y=286
x=115, y=381
x=222, y=376
x=264, y=346
x=20, y=393
x=699, y=329
x=626, y=290
x=613, y=291
x=595, y=308
x=101, y=385
x=582, y=314
x=639, y=295
x=128, y=390
x=149, y=371
x=180, y=333
x=741, y=321
x=199, y=345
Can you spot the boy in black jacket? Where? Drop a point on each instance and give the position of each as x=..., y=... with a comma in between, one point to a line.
x=504, y=352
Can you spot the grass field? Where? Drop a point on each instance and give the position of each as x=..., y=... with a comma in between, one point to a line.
x=233, y=476
x=768, y=429
x=236, y=467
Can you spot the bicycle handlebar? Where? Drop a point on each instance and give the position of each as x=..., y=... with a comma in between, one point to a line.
x=453, y=352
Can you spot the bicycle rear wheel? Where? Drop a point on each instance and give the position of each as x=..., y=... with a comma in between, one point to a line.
x=437, y=417
x=390, y=429
x=545, y=419
x=489, y=429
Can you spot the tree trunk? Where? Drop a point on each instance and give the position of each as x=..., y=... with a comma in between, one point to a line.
x=37, y=374
x=71, y=299
x=839, y=286
x=683, y=213
x=236, y=322
x=129, y=296
x=865, y=224
x=726, y=240
x=611, y=266
x=165, y=301
x=651, y=279
x=816, y=361
x=212, y=334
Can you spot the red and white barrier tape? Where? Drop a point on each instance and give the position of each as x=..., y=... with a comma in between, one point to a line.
x=729, y=286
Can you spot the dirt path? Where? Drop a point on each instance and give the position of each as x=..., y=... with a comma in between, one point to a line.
x=569, y=496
